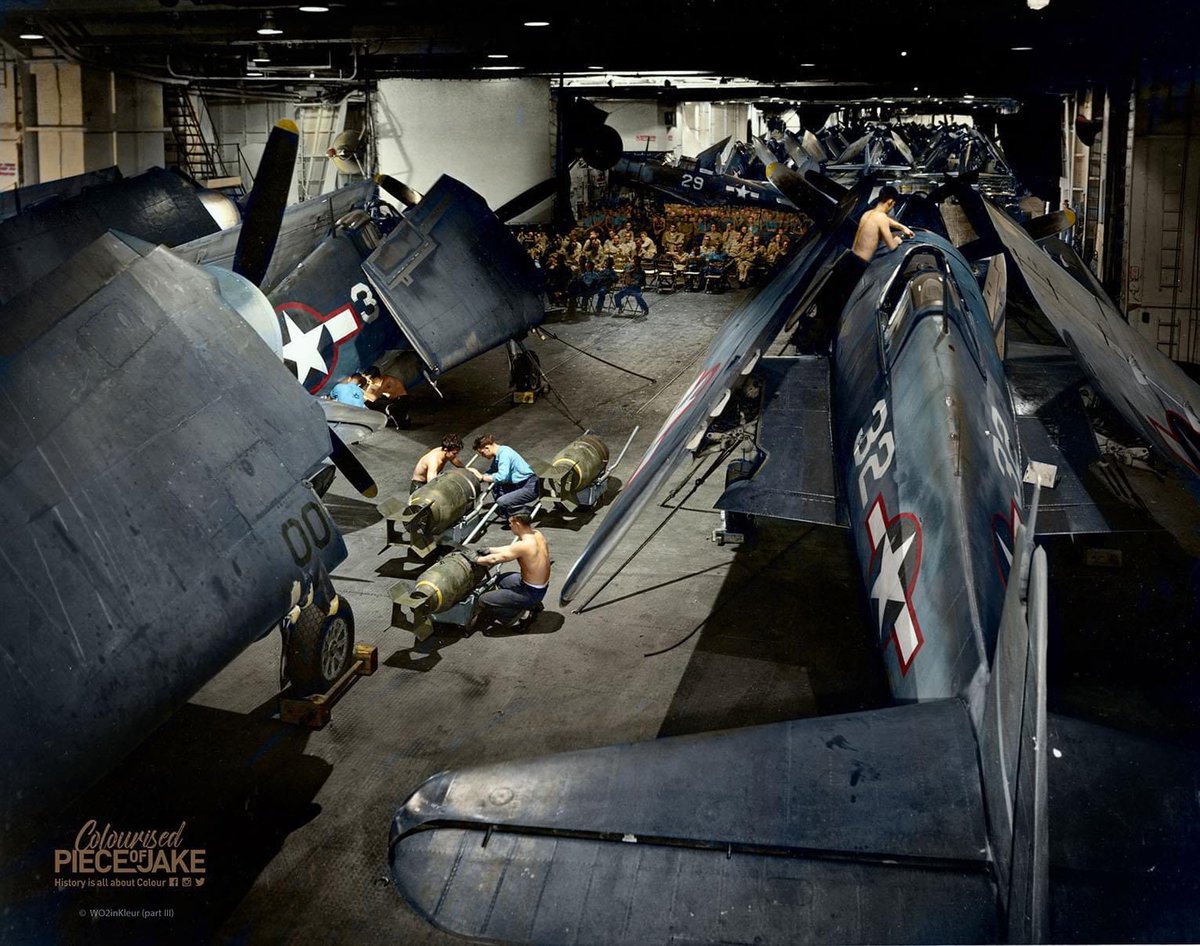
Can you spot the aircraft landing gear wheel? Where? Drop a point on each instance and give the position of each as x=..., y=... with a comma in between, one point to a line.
x=320, y=648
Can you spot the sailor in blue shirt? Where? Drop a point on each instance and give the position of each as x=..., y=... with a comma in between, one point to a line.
x=514, y=486
x=350, y=391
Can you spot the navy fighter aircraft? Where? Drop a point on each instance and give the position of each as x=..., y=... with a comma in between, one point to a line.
x=156, y=512
x=929, y=821
x=344, y=305
x=697, y=185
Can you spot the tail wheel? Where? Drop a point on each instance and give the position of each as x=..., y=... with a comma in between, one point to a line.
x=320, y=648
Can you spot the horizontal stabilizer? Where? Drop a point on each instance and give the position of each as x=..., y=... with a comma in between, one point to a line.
x=454, y=277
x=797, y=478
x=860, y=828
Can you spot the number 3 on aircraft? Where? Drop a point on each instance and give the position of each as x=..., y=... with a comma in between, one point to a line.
x=877, y=463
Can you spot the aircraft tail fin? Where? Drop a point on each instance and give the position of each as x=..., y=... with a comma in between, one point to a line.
x=1013, y=745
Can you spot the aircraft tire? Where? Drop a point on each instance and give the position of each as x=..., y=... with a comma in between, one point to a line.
x=320, y=648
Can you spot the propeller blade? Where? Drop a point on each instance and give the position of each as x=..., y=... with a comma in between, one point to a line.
x=350, y=467
x=268, y=199
x=398, y=189
x=527, y=199
x=1051, y=224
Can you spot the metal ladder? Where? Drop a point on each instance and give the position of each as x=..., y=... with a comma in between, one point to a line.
x=187, y=148
x=319, y=125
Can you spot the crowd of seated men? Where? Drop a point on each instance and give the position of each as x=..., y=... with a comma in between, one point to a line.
x=665, y=247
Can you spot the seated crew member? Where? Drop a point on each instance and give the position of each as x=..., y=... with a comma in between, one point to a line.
x=632, y=281
x=350, y=391
x=606, y=278
x=431, y=464
x=583, y=286
x=716, y=264
x=558, y=277
x=517, y=591
x=383, y=393
x=512, y=479
x=673, y=241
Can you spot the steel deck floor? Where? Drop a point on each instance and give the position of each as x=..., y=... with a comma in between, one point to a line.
x=295, y=824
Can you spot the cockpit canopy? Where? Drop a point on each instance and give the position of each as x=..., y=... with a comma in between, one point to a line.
x=922, y=288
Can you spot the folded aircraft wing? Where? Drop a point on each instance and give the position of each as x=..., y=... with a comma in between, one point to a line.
x=154, y=519
x=158, y=206
x=796, y=477
x=1150, y=391
x=455, y=278
x=734, y=352
x=304, y=225
x=24, y=198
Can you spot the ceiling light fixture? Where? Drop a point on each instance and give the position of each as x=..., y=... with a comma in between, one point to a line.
x=497, y=55
x=254, y=75
x=32, y=36
x=314, y=8
x=31, y=32
x=808, y=65
x=262, y=55
x=1037, y=4
x=268, y=27
x=1022, y=49
x=537, y=22
x=904, y=52
x=596, y=68
x=968, y=98
x=498, y=68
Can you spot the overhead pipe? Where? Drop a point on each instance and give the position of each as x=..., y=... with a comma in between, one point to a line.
x=60, y=45
x=305, y=80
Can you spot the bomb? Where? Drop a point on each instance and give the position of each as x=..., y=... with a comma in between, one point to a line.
x=438, y=589
x=437, y=506
x=575, y=468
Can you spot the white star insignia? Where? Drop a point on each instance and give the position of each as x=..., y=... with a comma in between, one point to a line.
x=889, y=586
x=304, y=348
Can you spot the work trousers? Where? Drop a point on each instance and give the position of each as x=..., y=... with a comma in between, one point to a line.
x=510, y=497
x=511, y=596
x=630, y=291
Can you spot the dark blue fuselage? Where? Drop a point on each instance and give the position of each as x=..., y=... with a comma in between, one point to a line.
x=332, y=324
x=927, y=442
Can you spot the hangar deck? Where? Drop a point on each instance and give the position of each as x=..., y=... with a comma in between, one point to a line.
x=295, y=823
